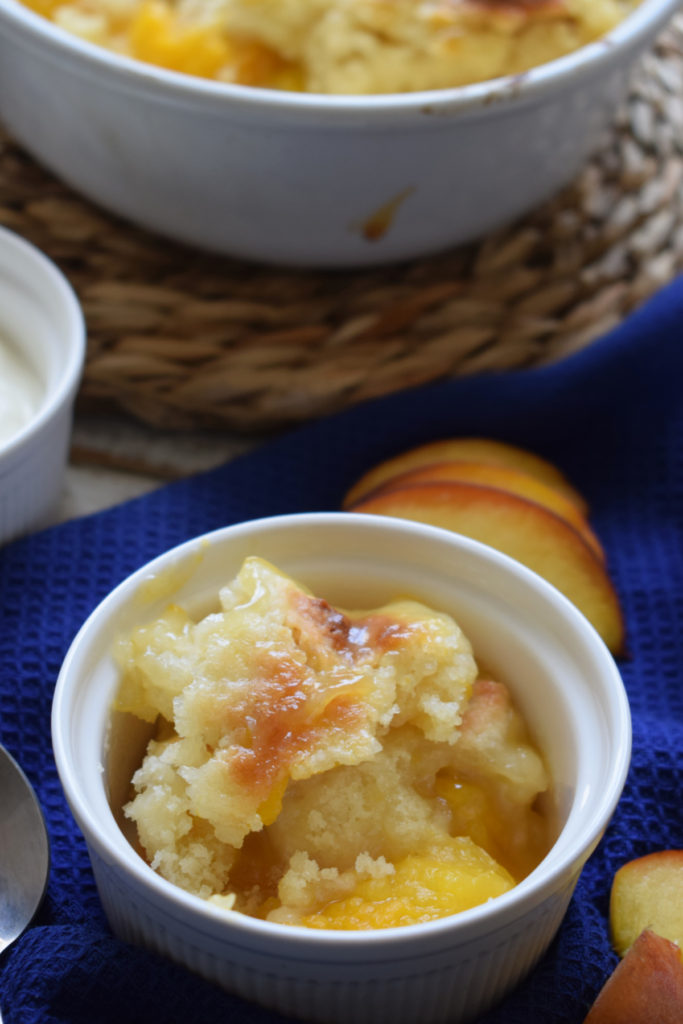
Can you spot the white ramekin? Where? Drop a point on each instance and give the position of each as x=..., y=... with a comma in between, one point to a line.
x=303, y=179
x=560, y=672
x=40, y=315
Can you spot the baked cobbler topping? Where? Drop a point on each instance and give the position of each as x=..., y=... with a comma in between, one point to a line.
x=341, y=46
x=326, y=767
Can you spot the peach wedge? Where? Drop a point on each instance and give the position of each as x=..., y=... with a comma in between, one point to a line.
x=520, y=528
x=469, y=449
x=648, y=893
x=646, y=987
x=507, y=479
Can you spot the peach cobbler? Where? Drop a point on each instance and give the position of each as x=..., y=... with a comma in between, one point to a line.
x=328, y=768
x=340, y=46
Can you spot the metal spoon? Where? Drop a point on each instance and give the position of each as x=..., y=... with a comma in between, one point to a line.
x=24, y=852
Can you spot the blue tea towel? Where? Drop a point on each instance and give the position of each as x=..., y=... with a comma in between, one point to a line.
x=610, y=416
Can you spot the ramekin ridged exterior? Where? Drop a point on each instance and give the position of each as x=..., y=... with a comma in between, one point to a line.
x=42, y=317
x=561, y=674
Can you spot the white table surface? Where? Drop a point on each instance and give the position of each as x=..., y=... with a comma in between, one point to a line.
x=115, y=458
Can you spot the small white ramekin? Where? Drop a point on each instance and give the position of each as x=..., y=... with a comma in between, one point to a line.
x=563, y=679
x=41, y=318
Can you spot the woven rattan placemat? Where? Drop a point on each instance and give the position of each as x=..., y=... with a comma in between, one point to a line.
x=183, y=339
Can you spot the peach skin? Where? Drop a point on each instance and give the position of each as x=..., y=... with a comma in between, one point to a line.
x=470, y=449
x=520, y=528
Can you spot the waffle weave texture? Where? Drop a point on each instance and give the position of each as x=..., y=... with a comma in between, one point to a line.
x=610, y=416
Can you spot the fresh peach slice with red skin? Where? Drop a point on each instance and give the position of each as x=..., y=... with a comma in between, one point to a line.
x=648, y=893
x=646, y=987
x=470, y=449
x=507, y=479
x=520, y=528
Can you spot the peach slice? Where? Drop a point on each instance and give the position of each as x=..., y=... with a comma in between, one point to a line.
x=470, y=449
x=507, y=479
x=646, y=987
x=520, y=528
x=648, y=893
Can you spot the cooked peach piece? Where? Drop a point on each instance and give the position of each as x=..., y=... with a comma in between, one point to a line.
x=648, y=893
x=646, y=987
x=507, y=479
x=470, y=449
x=520, y=528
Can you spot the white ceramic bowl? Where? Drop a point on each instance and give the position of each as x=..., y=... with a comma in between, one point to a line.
x=560, y=672
x=293, y=178
x=41, y=323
